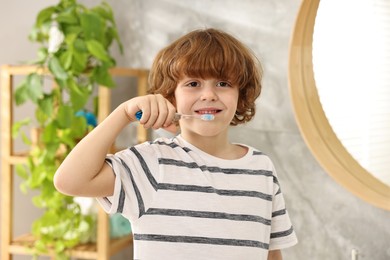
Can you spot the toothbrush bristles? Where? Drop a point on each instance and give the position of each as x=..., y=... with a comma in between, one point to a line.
x=207, y=117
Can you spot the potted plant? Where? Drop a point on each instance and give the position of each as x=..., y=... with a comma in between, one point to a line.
x=74, y=55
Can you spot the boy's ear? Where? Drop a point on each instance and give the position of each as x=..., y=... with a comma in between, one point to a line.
x=173, y=128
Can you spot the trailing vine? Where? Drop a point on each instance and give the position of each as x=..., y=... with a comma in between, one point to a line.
x=74, y=51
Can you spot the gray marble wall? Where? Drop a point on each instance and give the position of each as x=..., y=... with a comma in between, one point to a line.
x=329, y=221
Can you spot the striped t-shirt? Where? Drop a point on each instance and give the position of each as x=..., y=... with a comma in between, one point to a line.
x=185, y=204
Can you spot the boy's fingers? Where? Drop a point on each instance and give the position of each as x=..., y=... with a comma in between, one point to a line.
x=163, y=113
x=171, y=115
x=148, y=119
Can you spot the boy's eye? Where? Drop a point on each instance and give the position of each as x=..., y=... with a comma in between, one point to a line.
x=223, y=84
x=193, y=84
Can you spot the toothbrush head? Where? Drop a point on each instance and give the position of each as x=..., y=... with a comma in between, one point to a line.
x=207, y=117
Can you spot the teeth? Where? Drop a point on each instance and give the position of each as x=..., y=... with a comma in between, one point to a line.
x=207, y=112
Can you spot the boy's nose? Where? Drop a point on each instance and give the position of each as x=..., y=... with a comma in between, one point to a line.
x=208, y=93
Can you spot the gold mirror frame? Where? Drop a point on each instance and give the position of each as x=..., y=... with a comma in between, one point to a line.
x=314, y=125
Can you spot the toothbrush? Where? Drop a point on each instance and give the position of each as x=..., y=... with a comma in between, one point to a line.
x=178, y=116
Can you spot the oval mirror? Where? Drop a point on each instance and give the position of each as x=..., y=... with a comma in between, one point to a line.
x=340, y=107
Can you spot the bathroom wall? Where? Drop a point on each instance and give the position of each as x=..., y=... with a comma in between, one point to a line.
x=329, y=221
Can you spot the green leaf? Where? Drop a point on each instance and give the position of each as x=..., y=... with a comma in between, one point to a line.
x=65, y=116
x=18, y=125
x=70, y=38
x=40, y=35
x=50, y=193
x=67, y=137
x=79, y=62
x=103, y=77
x=21, y=171
x=111, y=34
x=80, y=45
x=78, y=95
x=93, y=26
x=46, y=104
x=79, y=127
x=61, y=83
x=51, y=149
x=66, y=59
x=49, y=133
x=26, y=139
x=105, y=11
x=34, y=87
x=24, y=187
x=38, y=202
x=56, y=68
x=72, y=29
x=34, y=34
x=37, y=177
x=79, y=56
x=60, y=246
x=65, y=4
x=21, y=94
x=41, y=116
x=45, y=15
x=98, y=50
x=40, y=245
x=42, y=55
x=67, y=17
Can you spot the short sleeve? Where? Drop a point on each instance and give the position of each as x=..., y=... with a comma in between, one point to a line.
x=282, y=231
x=136, y=177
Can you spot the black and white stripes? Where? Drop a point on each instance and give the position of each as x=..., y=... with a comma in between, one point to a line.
x=182, y=200
x=200, y=240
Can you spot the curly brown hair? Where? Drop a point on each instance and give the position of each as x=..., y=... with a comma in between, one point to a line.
x=209, y=53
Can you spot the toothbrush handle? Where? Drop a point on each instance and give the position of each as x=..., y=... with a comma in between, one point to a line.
x=138, y=116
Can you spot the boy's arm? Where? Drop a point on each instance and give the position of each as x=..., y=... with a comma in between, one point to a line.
x=84, y=171
x=275, y=255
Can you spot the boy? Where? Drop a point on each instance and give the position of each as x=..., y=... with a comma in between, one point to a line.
x=196, y=195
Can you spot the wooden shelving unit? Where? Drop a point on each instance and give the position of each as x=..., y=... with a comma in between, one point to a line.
x=104, y=246
x=21, y=245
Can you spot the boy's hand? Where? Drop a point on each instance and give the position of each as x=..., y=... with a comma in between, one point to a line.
x=157, y=111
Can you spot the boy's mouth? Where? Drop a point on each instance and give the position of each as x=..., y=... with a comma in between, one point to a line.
x=208, y=111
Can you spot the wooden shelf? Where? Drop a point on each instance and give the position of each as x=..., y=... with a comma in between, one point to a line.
x=22, y=245
x=17, y=158
x=104, y=246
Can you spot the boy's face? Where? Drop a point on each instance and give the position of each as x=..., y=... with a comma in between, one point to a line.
x=197, y=96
